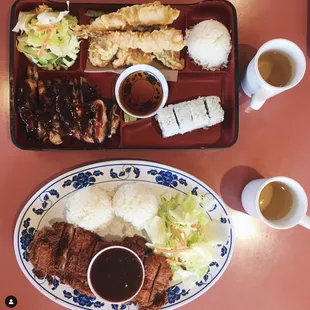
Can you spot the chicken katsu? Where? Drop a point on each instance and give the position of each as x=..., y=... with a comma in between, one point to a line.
x=65, y=251
x=55, y=109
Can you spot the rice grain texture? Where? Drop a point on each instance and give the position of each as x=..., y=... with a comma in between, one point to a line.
x=135, y=203
x=209, y=44
x=90, y=208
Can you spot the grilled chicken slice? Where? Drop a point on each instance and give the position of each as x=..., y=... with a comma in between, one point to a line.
x=55, y=109
x=55, y=134
x=88, y=135
x=100, y=121
x=28, y=117
x=88, y=92
x=28, y=99
x=45, y=92
x=41, y=130
x=114, y=120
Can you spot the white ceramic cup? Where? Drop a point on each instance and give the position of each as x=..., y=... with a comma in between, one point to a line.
x=145, y=68
x=257, y=88
x=297, y=215
x=94, y=259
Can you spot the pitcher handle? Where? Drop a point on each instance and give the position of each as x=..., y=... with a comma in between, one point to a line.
x=259, y=99
x=305, y=222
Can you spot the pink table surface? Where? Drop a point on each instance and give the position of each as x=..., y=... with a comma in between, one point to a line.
x=269, y=269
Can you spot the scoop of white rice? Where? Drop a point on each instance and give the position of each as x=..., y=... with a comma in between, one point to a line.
x=90, y=208
x=135, y=203
x=209, y=44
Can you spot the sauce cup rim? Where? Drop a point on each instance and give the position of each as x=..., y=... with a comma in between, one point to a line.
x=146, y=68
x=92, y=262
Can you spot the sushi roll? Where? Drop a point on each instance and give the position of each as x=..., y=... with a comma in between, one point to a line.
x=199, y=113
x=190, y=115
x=184, y=117
x=215, y=110
x=167, y=122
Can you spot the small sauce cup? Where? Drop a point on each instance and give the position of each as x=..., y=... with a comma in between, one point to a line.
x=141, y=90
x=115, y=275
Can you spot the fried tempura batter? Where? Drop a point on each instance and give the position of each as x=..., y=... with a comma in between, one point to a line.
x=149, y=42
x=135, y=35
x=170, y=60
x=132, y=57
x=101, y=52
x=137, y=15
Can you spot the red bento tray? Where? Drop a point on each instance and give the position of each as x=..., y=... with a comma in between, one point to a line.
x=192, y=82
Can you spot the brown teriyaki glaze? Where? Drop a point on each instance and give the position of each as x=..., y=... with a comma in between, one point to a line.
x=141, y=93
x=116, y=275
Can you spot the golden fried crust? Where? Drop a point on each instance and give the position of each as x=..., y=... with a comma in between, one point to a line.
x=137, y=15
x=149, y=42
x=130, y=57
x=100, y=52
x=170, y=60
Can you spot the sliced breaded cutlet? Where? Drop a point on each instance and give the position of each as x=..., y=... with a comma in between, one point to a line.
x=151, y=267
x=161, y=283
x=65, y=251
x=79, y=284
x=82, y=241
x=100, y=245
x=64, y=246
x=86, y=253
x=43, y=249
x=137, y=244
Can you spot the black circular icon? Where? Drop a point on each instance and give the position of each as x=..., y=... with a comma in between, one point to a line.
x=11, y=301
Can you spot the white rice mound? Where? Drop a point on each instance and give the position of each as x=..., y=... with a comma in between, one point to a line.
x=90, y=208
x=135, y=203
x=209, y=44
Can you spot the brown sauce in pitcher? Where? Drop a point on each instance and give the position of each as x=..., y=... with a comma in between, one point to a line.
x=141, y=93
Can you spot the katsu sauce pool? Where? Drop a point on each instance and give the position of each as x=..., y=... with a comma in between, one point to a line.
x=141, y=93
x=116, y=275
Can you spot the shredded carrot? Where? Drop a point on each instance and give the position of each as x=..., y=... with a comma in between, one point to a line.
x=42, y=8
x=172, y=251
x=176, y=234
x=195, y=225
x=44, y=27
x=43, y=47
x=172, y=261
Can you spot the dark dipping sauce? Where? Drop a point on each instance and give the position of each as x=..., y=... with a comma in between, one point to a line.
x=141, y=93
x=116, y=275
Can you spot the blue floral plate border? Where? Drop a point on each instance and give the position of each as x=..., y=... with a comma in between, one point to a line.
x=47, y=205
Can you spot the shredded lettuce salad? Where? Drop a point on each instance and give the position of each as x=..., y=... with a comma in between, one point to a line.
x=46, y=38
x=183, y=233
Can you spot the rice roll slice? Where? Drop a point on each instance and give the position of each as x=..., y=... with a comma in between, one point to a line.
x=167, y=122
x=215, y=110
x=199, y=113
x=184, y=116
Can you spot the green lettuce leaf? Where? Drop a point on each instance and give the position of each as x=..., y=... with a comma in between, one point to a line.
x=61, y=45
x=181, y=232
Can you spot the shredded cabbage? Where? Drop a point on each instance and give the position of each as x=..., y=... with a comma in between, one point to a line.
x=46, y=38
x=185, y=235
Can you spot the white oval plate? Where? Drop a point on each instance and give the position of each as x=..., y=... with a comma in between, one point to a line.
x=48, y=205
